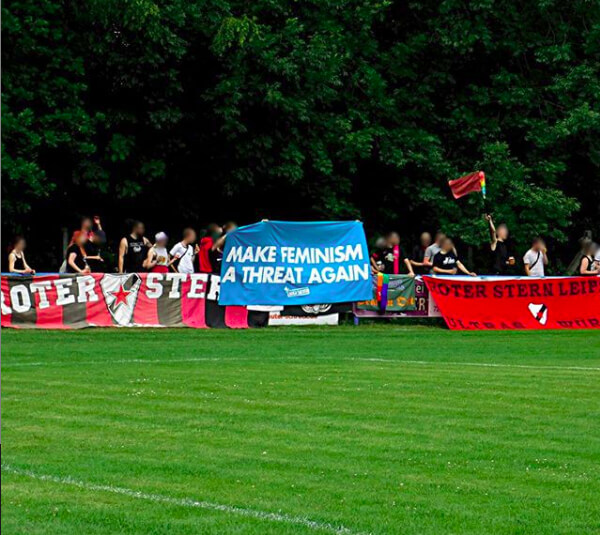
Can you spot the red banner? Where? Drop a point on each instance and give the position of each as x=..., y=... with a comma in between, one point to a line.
x=130, y=300
x=517, y=303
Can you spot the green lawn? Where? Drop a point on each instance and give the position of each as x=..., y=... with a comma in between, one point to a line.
x=376, y=429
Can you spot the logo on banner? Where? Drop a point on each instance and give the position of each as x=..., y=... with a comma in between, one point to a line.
x=316, y=309
x=297, y=292
x=539, y=312
x=120, y=295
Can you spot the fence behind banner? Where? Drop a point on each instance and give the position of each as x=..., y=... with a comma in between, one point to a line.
x=484, y=303
x=69, y=301
x=72, y=301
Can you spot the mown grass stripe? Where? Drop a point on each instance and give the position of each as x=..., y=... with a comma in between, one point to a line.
x=300, y=360
x=314, y=525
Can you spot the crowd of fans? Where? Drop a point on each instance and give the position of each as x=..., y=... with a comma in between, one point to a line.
x=436, y=255
x=136, y=253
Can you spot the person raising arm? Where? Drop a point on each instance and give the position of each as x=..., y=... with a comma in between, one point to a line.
x=501, y=257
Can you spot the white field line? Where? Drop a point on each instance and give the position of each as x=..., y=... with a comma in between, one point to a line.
x=300, y=359
x=482, y=364
x=186, y=502
x=119, y=361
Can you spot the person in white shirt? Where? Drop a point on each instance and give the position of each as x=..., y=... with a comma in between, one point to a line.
x=184, y=252
x=536, y=258
x=433, y=249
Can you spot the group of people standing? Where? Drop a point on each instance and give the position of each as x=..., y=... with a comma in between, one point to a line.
x=138, y=254
x=439, y=255
x=430, y=256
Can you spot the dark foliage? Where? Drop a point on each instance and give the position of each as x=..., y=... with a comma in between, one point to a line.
x=181, y=112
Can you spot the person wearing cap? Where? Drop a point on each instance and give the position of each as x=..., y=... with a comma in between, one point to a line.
x=157, y=259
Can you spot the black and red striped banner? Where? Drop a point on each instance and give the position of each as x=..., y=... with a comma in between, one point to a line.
x=68, y=301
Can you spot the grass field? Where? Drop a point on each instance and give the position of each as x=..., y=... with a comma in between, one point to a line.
x=376, y=429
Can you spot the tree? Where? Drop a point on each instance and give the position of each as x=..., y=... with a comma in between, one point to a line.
x=334, y=109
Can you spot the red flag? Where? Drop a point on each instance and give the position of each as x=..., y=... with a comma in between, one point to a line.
x=470, y=183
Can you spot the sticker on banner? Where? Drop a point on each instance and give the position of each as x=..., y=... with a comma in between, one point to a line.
x=295, y=292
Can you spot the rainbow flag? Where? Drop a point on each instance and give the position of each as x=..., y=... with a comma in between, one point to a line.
x=482, y=182
x=381, y=292
x=473, y=182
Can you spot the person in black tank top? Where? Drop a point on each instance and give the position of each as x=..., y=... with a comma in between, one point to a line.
x=133, y=249
x=16, y=258
x=587, y=265
x=502, y=259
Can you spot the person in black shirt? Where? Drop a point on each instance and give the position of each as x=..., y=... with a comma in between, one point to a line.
x=216, y=251
x=92, y=250
x=391, y=258
x=377, y=255
x=133, y=249
x=417, y=258
x=76, y=255
x=447, y=263
x=502, y=259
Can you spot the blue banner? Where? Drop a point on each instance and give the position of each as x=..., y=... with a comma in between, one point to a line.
x=295, y=263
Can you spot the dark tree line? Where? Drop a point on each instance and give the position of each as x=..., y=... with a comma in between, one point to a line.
x=184, y=111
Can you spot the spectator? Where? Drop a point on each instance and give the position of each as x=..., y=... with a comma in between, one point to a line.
x=86, y=225
x=213, y=233
x=133, y=249
x=183, y=252
x=216, y=254
x=391, y=256
x=96, y=239
x=536, y=258
x=446, y=261
x=76, y=255
x=230, y=226
x=377, y=255
x=16, y=258
x=597, y=255
x=502, y=259
x=418, y=253
x=587, y=265
x=433, y=249
x=157, y=259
